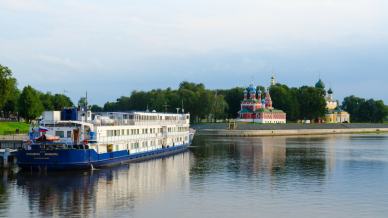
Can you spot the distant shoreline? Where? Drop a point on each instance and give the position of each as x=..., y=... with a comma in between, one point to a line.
x=248, y=130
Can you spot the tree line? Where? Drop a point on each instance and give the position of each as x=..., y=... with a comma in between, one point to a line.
x=365, y=110
x=309, y=103
x=300, y=103
x=194, y=98
x=27, y=103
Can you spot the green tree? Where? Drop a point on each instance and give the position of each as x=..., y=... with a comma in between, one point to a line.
x=61, y=101
x=204, y=103
x=362, y=110
x=197, y=100
x=386, y=110
x=11, y=105
x=352, y=105
x=139, y=101
x=30, y=106
x=312, y=102
x=233, y=98
x=47, y=101
x=96, y=108
x=55, y=102
x=372, y=111
x=219, y=107
x=109, y=106
x=7, y=85
x=157, y=100
x=380, y=112
x=190, y=99
x=285, y=99
x=82, y=102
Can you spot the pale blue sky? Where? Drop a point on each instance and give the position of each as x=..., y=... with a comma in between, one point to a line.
x=113, y=47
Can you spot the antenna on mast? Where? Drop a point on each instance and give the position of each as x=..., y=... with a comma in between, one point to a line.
x=86, y=99
x=165, y=107
x=183, y=110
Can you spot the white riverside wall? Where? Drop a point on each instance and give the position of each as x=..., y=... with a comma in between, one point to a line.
x=221, y=132
x=17, y=137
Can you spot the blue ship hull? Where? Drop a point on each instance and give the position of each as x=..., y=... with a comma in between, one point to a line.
x=70, y=159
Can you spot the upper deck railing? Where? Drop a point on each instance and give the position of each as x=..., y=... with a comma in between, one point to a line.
x=122, y=118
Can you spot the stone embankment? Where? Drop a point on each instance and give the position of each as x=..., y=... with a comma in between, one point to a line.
x=17, y=137
x=249, y=129
x=12, y=141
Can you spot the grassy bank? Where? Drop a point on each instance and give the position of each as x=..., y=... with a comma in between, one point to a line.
x=10, y=127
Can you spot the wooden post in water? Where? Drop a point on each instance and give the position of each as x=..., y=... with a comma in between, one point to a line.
x=5, y=157
x=232, y=125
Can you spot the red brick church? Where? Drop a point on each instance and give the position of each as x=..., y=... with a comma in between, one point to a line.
x=257, y=107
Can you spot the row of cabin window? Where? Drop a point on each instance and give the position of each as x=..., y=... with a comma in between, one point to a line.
x=136, y=145
x=179, y=139
x=61, y=134
x=146, y=117
x=132, y=131
x=178, y=129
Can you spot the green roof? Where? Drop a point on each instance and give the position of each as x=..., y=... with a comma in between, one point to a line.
x=320, y=84
x=245, y=111
x=252, y=100
x=270, y=110
x=337, y=110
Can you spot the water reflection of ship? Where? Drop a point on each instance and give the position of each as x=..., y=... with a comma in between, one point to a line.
x=93, y=193
x=5, y=176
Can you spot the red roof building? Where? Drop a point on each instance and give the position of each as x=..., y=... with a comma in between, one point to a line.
x=257, y=107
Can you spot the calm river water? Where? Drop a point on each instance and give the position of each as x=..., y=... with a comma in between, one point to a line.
x=323, y=176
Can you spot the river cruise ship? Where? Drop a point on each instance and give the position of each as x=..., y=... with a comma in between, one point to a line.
x=79, y=139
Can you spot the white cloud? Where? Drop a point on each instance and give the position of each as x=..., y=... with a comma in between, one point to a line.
x=59, y=62
x=171, y=27
x=150, y=37
x=24, y=5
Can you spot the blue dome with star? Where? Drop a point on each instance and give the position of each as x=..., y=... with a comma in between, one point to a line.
x=251, y=89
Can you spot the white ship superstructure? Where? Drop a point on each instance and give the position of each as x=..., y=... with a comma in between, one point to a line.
x=141, y=131
x=78, y=138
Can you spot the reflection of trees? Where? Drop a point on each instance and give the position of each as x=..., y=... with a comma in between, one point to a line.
x=210, y=156
x=236, y=154
x=93, y=193
x=280, y=157
x=306, y=157
x=5, y=175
